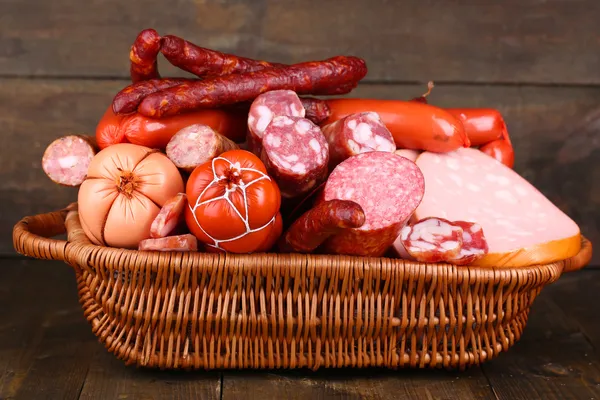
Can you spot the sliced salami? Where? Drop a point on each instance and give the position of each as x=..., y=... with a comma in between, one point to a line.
x=355, y=134
x=170, y=243
x=170, y=217
x=388, y=188
x=296, y=154
x=267, y=106
x=66, y=159
x=195, y=145
x=431, y=240
x=474, y=245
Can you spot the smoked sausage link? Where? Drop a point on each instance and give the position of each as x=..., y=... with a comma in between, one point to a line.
x=143, y=56
x=108, y=130
x=130, y=97
x=336, y=75
x=318, y=224
x=204, y=62
x=501, y=150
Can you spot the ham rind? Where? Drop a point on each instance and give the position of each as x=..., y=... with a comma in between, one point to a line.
x=522, y=227
x=387, y=187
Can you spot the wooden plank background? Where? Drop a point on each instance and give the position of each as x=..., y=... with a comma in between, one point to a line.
x=61, y=62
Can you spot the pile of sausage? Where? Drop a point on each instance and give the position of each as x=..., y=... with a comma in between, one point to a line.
x=267, y=167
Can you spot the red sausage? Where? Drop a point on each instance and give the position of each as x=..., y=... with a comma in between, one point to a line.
x=264, y=108
x=336, y=75
x=413, y=125
x=129, y=98
x=296, y=155
x=108, y=130
x=170, y=217
x=66, y=159
x=204, y=62
x=355, y=134
x=482, y=125
x=185, y=242
x=318, y=224
x=196, y=144
x=431, y=240
x=156, y=133
x=501, y=150
x=143, y=55
x=273, y=235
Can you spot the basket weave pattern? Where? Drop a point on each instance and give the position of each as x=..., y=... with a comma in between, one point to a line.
x=195, y=310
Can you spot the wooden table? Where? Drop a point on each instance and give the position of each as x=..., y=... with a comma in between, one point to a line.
x=47, y=351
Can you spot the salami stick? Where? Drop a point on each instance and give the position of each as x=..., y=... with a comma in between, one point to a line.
x=318, y=224
x=205, y=62
x=336, y=75
x=128, y=99
x=143, y=55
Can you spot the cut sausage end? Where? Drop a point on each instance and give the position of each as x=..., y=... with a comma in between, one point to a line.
x=66, y=160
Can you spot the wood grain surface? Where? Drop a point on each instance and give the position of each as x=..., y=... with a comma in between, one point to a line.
x=513, y=41
x=48, y=351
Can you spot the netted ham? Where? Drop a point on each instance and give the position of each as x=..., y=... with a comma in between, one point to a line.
x=355, y=134
x=296, y=154
x=432, y=240
x=522, y=227
x=387, y=187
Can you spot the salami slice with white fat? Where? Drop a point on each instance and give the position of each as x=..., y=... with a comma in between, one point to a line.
x=474, y=245
x=196, y=144
x=266, y=107
x=522, y=227
x=170, y=217
x=185, y=242
x=295, y=154
x=387, y=187
x=66, y=160
x=355, y=134
x=432, y=240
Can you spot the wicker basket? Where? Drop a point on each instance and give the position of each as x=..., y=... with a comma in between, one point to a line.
x=196, y=310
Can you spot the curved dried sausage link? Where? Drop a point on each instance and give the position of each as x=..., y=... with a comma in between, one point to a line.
x=143, y=56
x=130, y=97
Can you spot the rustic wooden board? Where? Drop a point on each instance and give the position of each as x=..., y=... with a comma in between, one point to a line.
x=45, y=343
x=407, y=41
x=357, y=384
x=553, y=360
x=555, y=132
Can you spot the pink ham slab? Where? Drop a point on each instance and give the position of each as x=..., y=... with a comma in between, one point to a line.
x=521, y=225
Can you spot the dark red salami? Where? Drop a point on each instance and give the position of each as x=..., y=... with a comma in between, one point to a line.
x=267, y=106
x=355, y=134
x=143, y=54
x=387, y=187
x=66, y=159
x=296, y=154
x=431, y=240
x=195, y=145
x=474, y=244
